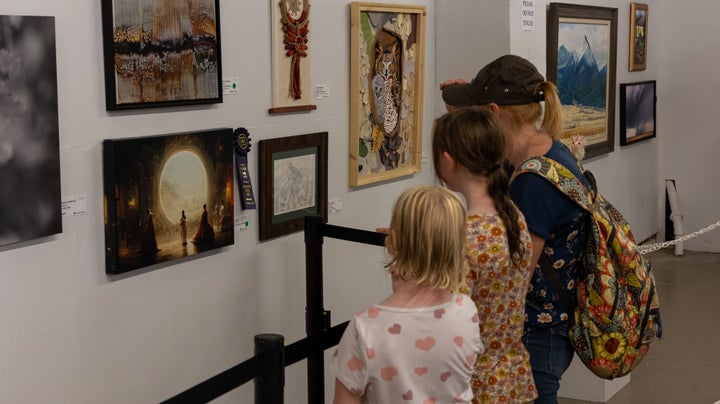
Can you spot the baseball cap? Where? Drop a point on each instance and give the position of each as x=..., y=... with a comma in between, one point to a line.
x=508, y=80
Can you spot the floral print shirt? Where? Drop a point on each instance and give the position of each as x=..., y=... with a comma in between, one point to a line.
x=498, y=287
x=563, y=225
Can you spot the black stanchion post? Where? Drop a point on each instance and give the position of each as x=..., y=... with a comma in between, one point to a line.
x=270, y=382
x=314, y=312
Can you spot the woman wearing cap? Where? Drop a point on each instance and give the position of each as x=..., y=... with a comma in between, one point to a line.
x=513, y=89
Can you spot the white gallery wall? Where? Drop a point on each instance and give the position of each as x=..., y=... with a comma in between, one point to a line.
x=686, y=53
x=71, y=334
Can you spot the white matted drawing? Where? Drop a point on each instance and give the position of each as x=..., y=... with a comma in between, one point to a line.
x=295, y=180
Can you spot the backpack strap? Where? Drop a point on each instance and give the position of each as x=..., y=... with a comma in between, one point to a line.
x=562, y=178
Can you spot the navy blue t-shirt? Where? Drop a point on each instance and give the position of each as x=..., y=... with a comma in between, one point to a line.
x=558, y=220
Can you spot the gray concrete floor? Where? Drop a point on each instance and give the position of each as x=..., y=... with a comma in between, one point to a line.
x=684, y=366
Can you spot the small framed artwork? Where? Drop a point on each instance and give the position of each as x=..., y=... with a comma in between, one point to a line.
x=291, y=81
x=161, y=53
x=293, y=182
x=167, y=197
x=581, y=61
x=638, y=36
x=387, y=53
x=637, y=112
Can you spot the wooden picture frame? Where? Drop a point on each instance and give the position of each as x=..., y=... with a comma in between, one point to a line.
x=293, y=182
x=638, y=36
x=167, y=197
x=637, y=111
x=581, y=61
x=291, y=57
x=387, y=56
x=171, y=58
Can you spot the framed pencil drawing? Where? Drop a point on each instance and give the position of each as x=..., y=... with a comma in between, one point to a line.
x=637, y=112
x=293, y=182
x=167, y=197
x=581, y=61
x=638, y=36
x=161, y=53
x=387, y=48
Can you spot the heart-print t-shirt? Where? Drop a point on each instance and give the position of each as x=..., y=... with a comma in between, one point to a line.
x=417, y=355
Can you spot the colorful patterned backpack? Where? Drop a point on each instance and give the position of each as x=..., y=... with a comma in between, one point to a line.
x=618, y=312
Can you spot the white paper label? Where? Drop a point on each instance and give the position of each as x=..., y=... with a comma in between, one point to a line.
x=528, y=15
x=74, y=206
x=334, y=205
x=322, y=91
x=231, y=85
x=242, y=222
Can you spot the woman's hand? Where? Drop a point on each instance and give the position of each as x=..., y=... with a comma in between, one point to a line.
x=451, y=82
x=446, y=83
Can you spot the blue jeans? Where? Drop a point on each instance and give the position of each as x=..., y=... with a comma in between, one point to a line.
x=550, y=355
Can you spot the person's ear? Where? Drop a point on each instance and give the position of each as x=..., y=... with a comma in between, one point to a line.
x=391, y=242
x=449, y=161
x=494, y=108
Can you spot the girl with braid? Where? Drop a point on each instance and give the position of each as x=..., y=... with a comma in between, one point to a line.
x=468, y=153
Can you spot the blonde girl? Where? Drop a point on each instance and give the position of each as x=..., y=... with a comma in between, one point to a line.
x=421, y=342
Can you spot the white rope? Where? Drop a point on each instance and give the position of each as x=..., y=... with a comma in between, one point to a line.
x=647, y=248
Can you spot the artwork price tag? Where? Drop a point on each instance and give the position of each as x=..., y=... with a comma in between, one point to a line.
x=322, y=91
x=230, y=85
x=242, y=222
x=334, y=206
x=74, y=206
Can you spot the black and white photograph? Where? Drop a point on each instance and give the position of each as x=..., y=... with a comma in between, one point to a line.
x=30, y=206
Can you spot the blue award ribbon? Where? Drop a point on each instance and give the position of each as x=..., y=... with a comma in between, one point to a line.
x=241, y=139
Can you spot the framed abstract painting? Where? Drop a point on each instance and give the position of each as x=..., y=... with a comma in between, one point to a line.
x=582, y=62
x=387, y=53
x=167, y=197
x=161, y=53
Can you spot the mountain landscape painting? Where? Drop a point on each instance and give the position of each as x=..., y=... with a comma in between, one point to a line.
x=582, y=79
x=582, y=62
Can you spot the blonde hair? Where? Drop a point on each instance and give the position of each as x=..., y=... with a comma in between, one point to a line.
x=520, y=115
x=427, y=238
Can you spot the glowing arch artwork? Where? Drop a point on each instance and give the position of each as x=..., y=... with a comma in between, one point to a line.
x=167, y=197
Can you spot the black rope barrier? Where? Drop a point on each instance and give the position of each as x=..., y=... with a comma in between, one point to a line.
x=354, y=235
x=271, y=356
x=218, y=385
